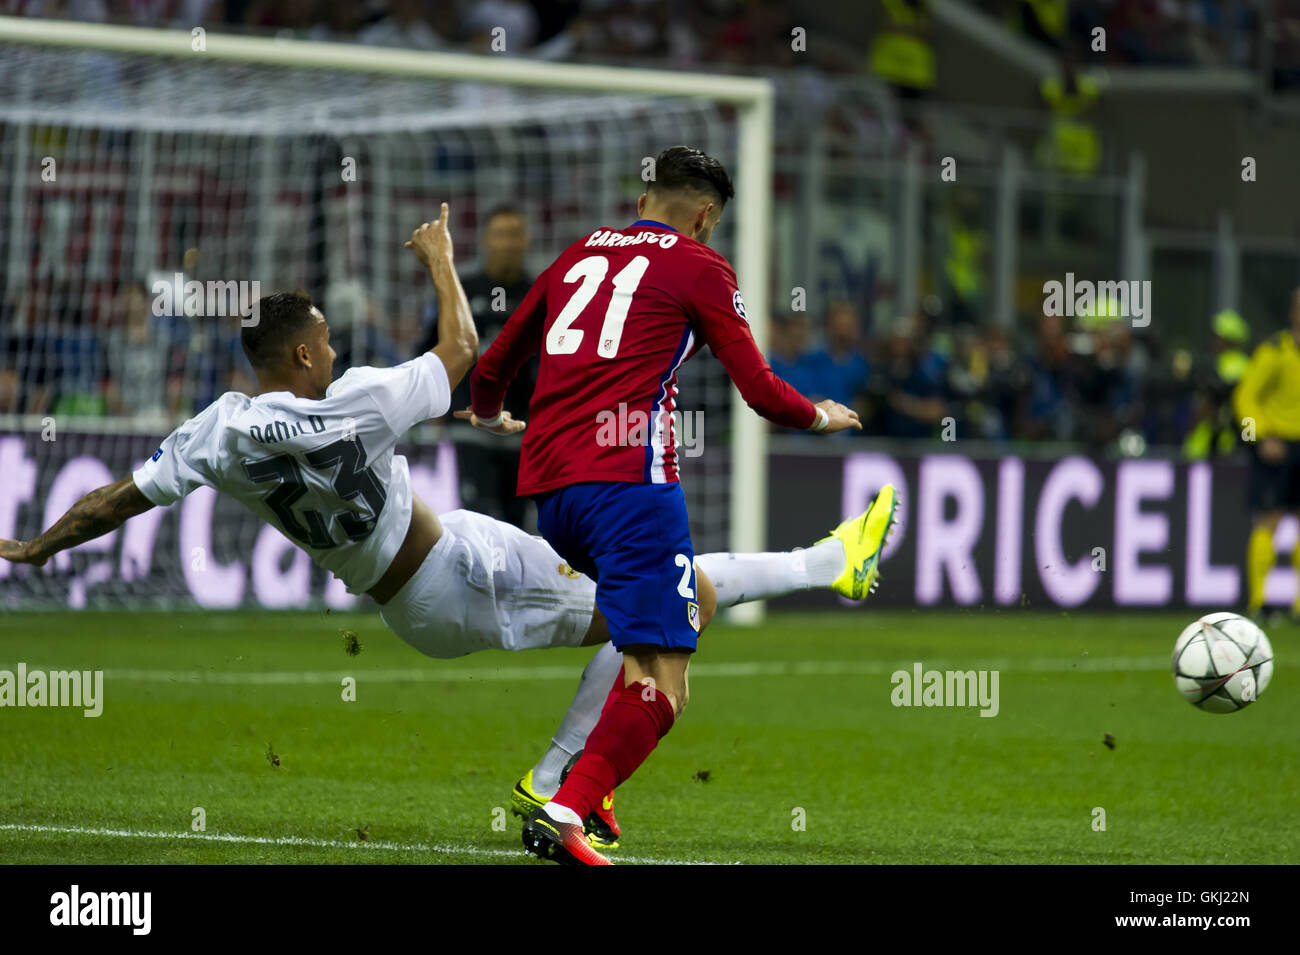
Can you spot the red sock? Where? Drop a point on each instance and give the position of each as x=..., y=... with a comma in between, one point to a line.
x=628, y=731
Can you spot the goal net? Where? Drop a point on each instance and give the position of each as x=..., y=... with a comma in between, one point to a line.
x=133, y=164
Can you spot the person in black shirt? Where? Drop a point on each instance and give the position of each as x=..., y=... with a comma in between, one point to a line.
x=488, y=470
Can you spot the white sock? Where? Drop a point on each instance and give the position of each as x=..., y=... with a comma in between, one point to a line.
x=736, y=578
x=579, y=720
x=741, y=577
x=562, y=813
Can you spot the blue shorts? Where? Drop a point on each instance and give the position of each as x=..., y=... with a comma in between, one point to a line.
x=634, y=540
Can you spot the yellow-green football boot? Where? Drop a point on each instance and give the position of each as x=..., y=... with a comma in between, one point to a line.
x=523, y=801
x=600, y=825
x=864, y=539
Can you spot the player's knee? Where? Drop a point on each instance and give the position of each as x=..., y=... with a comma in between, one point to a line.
x=676, y=695
x=680, y=696
x=676, y=688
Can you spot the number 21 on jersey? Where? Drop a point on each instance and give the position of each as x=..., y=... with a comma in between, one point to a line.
x=563, y=338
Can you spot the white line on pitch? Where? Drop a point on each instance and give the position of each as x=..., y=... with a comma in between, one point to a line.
x=703, y=670
x=368, y=846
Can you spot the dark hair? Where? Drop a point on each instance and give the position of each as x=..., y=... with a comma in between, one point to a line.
x=680, y=168
x=504, y=209
x=281, y=318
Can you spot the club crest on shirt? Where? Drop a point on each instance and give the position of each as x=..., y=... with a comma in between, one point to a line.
x=693, y=615
x=738, y=304
x=565, y=570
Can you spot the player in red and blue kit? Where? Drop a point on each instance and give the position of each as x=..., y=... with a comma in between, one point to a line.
x=614, y=318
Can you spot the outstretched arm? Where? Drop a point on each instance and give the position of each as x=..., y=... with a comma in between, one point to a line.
x=102, y=510
x=516, y=343
x=720, y=318
x=457, y=346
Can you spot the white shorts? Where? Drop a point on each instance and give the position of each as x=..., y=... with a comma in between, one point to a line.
x=487, y=585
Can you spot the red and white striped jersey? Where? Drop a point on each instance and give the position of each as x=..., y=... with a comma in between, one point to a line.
x=614, y=318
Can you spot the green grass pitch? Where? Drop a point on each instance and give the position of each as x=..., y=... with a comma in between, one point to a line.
x=790, y=752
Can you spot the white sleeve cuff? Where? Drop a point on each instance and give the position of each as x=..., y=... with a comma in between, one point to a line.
x=822, y=420
x=490, y=422
x=146, y=485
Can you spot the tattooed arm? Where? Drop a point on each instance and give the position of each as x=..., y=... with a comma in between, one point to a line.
x=102, y=510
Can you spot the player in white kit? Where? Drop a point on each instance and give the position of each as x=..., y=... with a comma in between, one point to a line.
x=316, y=460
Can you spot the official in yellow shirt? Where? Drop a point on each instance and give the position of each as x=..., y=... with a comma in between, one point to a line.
x=1215, y=429
x=901, y=53
x=1267, y=403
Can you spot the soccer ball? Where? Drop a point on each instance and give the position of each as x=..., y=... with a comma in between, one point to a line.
x=1222, y=662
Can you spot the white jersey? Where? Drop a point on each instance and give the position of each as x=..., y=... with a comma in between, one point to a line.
x=323, y=472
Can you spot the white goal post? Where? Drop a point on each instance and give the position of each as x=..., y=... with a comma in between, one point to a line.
x=751, y=98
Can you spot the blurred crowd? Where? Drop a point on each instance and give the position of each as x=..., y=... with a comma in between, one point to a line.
x=939, y=373
x=733, y=32
x=681, y=32
x=1202, y=33
x=58, y=358
x=1094, y=380
x=1091, y=380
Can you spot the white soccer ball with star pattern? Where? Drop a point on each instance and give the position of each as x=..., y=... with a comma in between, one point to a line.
x=1222, y=662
